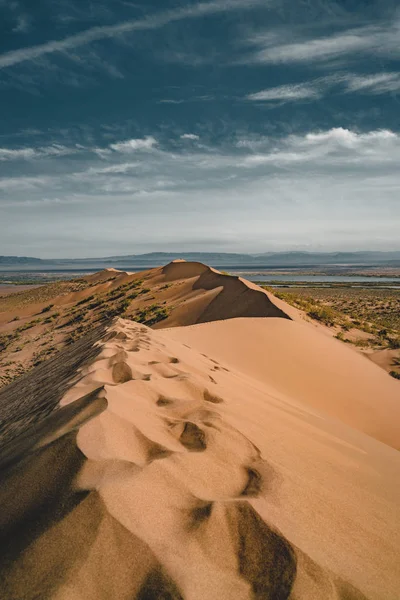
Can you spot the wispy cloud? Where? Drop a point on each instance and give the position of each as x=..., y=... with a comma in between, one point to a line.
x=23, y=24
x=190, y=136
x=58, y=150
x=151, y=22
x=291, y=92
x=32, y=153
x=368, y=40
x=135, y=144
x=170, y=101
x=23, y=183
x=325, y=179
x=120, y=169
x=335, y=147
x=373, y=84
x=380, y=83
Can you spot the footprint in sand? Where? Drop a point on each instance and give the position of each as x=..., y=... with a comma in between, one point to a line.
x=208, y=397
x=121, y=372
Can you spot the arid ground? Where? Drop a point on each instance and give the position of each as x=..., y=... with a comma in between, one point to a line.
x=184, y=434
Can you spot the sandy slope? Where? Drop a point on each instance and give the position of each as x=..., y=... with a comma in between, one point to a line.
x=296, y=360
x=211, y=480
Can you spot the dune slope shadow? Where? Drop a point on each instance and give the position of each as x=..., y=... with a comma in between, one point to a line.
x=35, y=395
x=236, y=299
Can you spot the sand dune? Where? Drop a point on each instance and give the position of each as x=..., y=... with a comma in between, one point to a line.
x=232, y=451
x=295, y=360
x=203, y=478
x=35, y=323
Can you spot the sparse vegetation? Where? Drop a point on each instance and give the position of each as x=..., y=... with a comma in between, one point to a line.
x=71, y=320
x=47, y=308
x=373, y=311
x=28, y=325
x=88, y=299
x=150, y=315
x=323, y=314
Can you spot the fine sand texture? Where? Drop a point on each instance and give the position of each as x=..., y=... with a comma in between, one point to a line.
x=297, y=360
x=226, y=460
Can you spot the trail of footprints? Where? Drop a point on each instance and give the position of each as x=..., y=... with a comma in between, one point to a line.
x=129, y=359
x=175, y=474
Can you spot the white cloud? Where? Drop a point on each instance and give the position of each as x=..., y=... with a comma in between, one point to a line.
x=152, y=22
x=337, y=187
x=133, y=145
x=103, y=153
x=379, y=83
x=9, y=154
x=347, y=138
x=368, y=40
x=170, y=101
x=33, y=153
x=190, y=136
x=117, y=169
x=372, y=83
x=291, y=92
x=23, y=183
x=332, y=148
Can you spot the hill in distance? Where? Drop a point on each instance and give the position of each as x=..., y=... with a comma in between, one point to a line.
x=215, y=259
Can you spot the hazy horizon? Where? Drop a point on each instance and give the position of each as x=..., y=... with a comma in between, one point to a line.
x=239, y=125
x=202, y=252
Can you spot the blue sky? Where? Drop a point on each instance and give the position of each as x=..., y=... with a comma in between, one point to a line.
x=129, y=126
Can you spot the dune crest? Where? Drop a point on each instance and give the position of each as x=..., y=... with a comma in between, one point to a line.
x=219, y=296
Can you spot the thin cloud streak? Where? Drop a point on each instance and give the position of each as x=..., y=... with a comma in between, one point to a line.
x=152, y=22
x=370, y=40
x=300, y=91
x=33, y=153
x=190, y=136
x=372, y=84
x=380, y=83
x=135, y=144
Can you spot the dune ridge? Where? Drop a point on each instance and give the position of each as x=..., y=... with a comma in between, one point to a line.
x=218, y=295
x=201, y=480
x=36, y=323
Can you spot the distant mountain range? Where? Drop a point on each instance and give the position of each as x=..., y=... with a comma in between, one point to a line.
x=215, y=259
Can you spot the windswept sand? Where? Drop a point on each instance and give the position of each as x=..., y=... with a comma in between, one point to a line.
x=294, y=359
x=224, y=466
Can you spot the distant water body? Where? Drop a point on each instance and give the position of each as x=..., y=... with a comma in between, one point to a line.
x=38, y=276
x=316, y=278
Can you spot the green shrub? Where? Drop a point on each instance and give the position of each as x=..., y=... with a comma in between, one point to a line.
x=95, y=304
x=47, y=308
x=394, y=343
x=88, y=299
x=323, y=314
